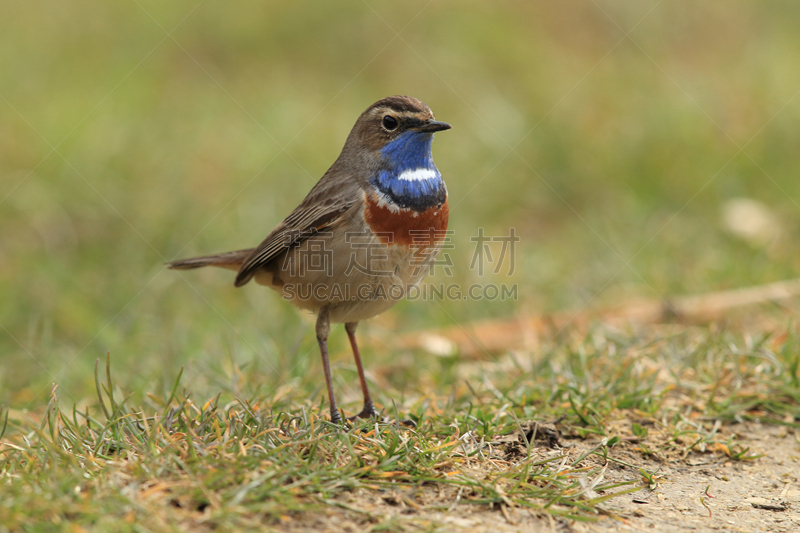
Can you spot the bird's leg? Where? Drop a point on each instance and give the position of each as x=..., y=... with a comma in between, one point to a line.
x=369, y=409
x=323, y=329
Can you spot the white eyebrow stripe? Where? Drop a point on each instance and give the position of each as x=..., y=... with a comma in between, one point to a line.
x=418, y=174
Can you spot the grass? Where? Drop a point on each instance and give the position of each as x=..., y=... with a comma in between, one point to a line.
x=612, y=137
x=176, y=461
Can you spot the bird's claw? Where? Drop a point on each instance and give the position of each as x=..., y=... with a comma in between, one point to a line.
x=368, y=412
x=371, y=412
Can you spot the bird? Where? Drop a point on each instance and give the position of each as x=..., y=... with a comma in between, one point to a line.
x=369, y=230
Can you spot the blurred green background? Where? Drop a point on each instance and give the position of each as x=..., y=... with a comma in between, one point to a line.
x=638, y=149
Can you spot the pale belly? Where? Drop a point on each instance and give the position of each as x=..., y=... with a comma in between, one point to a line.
x=350, y=290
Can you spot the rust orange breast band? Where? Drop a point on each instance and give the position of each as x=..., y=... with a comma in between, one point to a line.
x=406, y=226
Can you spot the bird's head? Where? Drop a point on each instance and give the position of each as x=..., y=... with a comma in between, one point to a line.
x=396, y=132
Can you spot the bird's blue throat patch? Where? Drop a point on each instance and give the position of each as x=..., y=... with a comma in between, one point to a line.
x=409, y=178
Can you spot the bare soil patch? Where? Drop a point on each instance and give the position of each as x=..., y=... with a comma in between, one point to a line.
x=701, y=492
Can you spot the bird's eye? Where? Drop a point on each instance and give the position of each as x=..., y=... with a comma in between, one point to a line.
x=389, y=122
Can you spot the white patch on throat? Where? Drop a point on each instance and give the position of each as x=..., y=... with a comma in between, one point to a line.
x=418, y=174
x=382, y=200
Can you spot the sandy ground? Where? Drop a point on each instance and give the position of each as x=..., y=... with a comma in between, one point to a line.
x=758, y=495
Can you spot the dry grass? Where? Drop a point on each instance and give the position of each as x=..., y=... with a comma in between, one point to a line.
x=542, y=443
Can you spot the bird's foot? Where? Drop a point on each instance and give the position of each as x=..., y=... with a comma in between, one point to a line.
x=370, y=412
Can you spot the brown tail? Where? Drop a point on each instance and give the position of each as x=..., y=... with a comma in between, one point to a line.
x=230, y=260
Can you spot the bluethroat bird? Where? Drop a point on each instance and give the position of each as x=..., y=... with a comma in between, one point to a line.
x=369, y=229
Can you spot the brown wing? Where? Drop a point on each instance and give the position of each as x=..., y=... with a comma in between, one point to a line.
x=320, y=210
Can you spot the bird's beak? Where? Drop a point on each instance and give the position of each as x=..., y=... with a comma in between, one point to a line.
x=434, y=125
